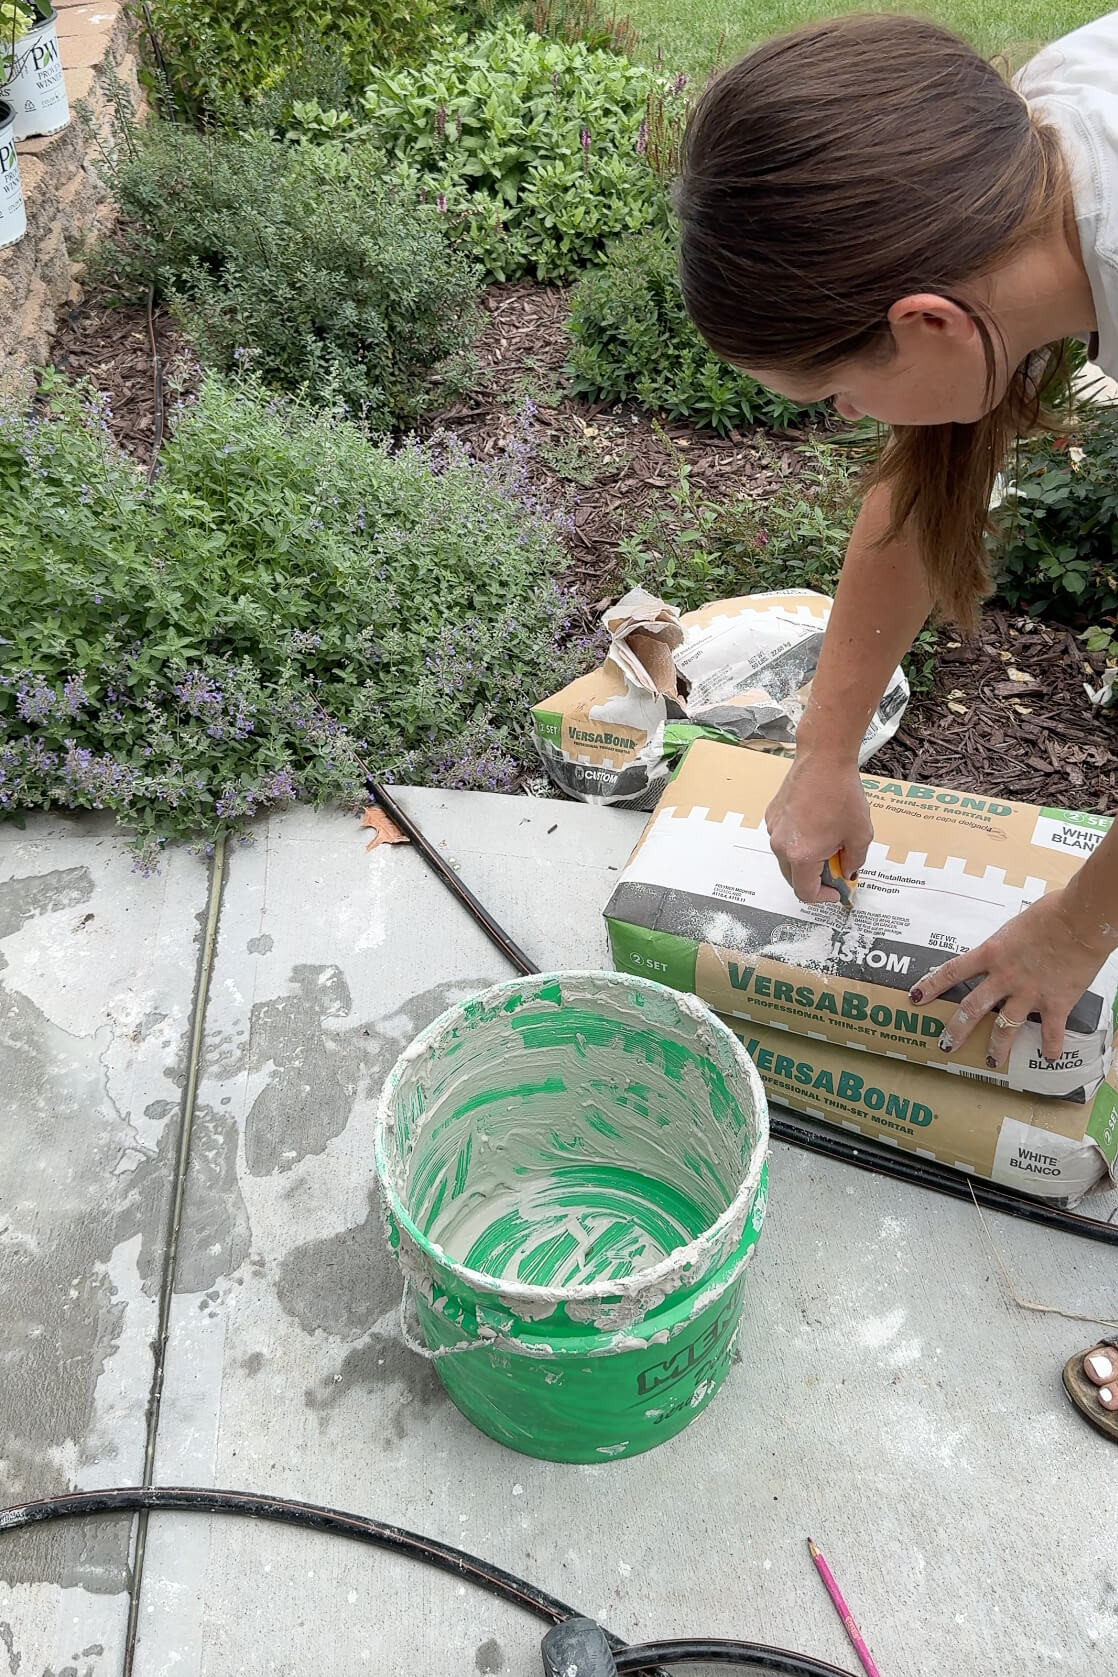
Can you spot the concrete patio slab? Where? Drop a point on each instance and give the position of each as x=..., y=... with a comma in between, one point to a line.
x=891, y=1399
x=97, y=976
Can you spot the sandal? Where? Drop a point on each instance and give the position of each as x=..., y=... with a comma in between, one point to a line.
x=1084, y=1392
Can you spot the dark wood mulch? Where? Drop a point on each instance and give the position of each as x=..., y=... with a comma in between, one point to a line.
x=981, y=729
x=1008, y=717
x=110, y=346
x=610, y=463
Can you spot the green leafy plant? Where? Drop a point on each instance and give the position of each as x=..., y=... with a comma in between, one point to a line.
x=533, y=149
x=297, y=260
x=1101, y=638
x=205, y=52
x=284, y=596
x=16, y=18
x=1059, y=523
x=632, y=340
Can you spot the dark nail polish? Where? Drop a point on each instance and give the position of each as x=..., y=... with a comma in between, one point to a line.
x=916, y=995
x=991, y=1062
x=945, y=1044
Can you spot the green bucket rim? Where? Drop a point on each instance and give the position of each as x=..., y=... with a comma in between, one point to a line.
x=679, y=1262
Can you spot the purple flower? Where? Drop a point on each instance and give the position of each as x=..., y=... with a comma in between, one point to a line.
x=101, y=780
x=642, y=138
x=35, y=699
x=440, y=122
x=680, y=83
x=201, y=695
x=441, y=201
x=74, y=695
x=277, y=787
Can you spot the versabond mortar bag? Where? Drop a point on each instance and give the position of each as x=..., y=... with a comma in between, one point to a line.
x=702, y=906
x=1055, y=1149
x=737, y=670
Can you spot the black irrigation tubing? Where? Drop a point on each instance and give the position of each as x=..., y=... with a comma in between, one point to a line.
x=637, y=1661
x=439, y=866
x=832, y=1144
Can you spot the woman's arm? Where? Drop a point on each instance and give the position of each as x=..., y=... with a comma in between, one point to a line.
x=880, y=604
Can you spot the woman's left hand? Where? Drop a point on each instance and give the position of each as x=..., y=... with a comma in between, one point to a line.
x=1040, y=962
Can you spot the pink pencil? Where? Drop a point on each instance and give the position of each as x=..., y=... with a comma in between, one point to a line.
x=844, y=1613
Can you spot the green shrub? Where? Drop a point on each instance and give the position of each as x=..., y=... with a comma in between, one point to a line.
x=211, y=51
x=533, y=148
x=167, y=649
x=632, y=339
x=1059, y=523
x=297, y=258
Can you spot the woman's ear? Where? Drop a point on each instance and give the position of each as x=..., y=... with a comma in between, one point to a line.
x=924, y=316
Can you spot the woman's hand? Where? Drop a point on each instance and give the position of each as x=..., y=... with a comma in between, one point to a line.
x=819, y=812
x=1040, y=962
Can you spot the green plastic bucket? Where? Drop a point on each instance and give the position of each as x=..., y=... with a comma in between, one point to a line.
x=573, y=1172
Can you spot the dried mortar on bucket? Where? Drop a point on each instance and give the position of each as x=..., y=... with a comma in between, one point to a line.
x=573, y=1170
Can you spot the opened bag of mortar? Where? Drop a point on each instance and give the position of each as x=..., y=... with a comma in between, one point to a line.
x=739, y=671
x=703, y=906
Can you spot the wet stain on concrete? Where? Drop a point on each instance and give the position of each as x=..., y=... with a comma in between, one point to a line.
x=15, y=1659
x=490, y=1657
x=45, y=893
x=379, y=1362
x=343, y=1284
x=310, y=1094
x=317, y=1066
x=260, y=945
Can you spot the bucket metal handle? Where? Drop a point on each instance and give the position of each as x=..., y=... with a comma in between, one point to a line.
x=485, y=1342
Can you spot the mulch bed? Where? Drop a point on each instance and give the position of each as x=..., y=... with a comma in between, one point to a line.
x=985, y=729
x=608, y=463
x=981, y=729
x=111, y=347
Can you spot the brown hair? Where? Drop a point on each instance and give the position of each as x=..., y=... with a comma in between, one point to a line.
x=838, y=169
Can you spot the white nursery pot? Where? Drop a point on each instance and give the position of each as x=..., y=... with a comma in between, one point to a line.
x=31, y=80
x=13, y=219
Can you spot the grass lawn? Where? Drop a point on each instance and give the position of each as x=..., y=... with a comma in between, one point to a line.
x=690, y=35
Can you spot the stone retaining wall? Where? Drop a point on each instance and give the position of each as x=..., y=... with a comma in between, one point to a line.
x=65, y=199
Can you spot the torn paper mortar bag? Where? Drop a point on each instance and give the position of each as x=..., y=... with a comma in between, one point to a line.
x=1055, y=1149
x=702, y=906
x=738, y=671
